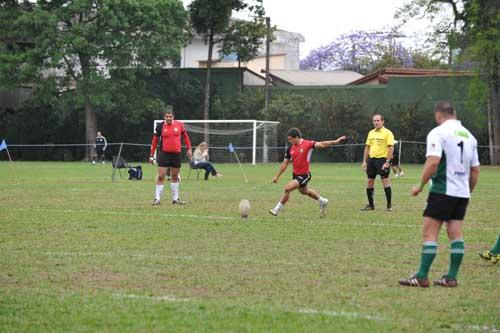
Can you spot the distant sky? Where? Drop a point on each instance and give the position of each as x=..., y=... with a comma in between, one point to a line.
x=321, y=21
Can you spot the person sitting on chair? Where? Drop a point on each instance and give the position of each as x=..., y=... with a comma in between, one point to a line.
x=200, y=161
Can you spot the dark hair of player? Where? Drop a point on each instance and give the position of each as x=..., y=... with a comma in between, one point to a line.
x=444, y=107
x=294, y=132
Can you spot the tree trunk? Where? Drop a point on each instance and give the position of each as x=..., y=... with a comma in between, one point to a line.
x=494, y=125
x=206, y=101
x=90, y=118
x=240, y=73
x=90, y=129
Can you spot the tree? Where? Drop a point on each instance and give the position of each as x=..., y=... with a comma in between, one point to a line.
x=212, y=20
x=360, y=51
x=75, y=46
x=471, y=36
x=244, y=39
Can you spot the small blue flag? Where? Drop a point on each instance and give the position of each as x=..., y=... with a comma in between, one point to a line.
x=231, y=147
x=3, y=145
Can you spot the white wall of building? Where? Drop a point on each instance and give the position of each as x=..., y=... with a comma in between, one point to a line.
x=195, y=52
x=285, y=43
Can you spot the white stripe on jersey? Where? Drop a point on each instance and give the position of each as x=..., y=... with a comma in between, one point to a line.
x=309, y=154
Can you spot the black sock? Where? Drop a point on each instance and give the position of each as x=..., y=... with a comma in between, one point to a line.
x=388, y=195
x=369, y=193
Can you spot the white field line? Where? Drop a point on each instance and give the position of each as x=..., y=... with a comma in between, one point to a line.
x=343, y=314
x=185, y=258
x=166, y=298
x=485, y=329
x=114, y=254
x=467, y=225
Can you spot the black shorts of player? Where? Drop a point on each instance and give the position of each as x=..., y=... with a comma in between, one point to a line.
x=99, y=150
x=302, y=179
x=374, y=168
x=444, y=207
x=169, y=160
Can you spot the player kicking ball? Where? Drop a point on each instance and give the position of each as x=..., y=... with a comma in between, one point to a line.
x=299, y=152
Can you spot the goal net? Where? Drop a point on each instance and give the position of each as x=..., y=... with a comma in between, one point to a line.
x=255, y=141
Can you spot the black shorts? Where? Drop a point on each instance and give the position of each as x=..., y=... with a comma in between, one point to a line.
x=374, y=168
x=444, y=207
x=99, y=150
x=302, y=179
x=168, y=160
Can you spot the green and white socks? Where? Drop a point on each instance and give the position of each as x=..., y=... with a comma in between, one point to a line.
x=496, y=249
x=429, y=251
x=456, y=257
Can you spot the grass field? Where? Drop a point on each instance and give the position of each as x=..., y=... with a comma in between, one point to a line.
x=81, y=254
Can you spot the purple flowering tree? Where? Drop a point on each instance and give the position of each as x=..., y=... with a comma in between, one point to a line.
x=360, y=51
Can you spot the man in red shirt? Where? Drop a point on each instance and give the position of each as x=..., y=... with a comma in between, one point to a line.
x=167, y=136
x=299, y=152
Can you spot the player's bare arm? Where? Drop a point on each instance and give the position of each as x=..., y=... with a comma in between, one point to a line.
x=473, y=178
x=430, y=168
x=282, y=169
x=154, y=144
x=326, y=144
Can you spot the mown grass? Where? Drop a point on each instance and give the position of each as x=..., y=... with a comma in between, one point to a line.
x=79, y=253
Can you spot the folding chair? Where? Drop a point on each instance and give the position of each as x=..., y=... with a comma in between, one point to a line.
x=192, y=167
x=119, y=163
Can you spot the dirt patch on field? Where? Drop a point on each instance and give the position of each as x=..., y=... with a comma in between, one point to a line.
x=97, y=279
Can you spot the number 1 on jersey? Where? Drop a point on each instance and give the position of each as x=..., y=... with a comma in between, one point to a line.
x=461, y=145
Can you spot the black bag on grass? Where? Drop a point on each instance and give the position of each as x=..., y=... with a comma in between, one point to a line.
x=135, y=173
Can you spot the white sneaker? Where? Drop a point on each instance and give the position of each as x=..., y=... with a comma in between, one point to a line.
x=401, y=174
x=273, y=212
x=323, y=204
x=93, y=162
x=396, y=175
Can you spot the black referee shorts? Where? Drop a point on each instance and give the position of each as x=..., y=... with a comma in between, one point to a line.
x=374, y=168
x=168, y=160
x=444, y=207
x=302, y=179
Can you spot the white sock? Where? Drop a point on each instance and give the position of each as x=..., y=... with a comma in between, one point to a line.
x=175, y=191
x=278, y=206
x=159, y=189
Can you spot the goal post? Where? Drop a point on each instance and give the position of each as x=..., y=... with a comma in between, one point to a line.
x=255, y=141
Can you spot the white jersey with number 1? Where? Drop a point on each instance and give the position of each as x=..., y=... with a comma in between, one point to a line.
x=457, y=148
